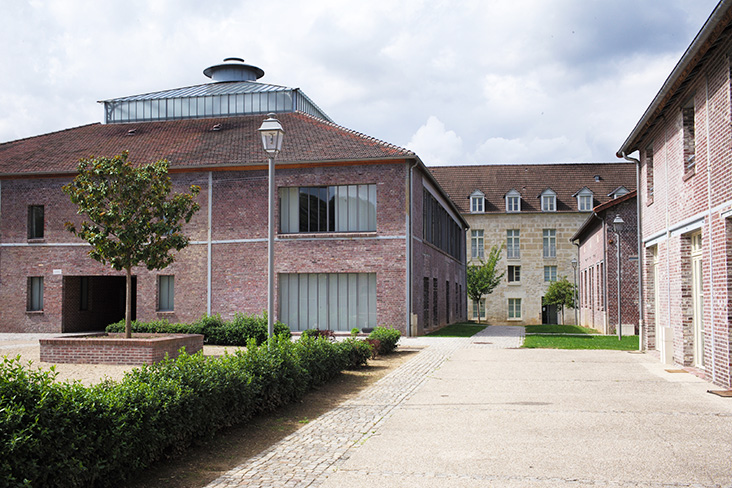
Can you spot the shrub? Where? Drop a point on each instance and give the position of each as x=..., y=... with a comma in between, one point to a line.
x=216, y=330
x=328, y=334
x=388, y=337
x=354, y=331
x=356, y=352
x=64, y=434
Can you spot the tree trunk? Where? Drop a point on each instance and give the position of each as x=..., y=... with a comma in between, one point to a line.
x=128, y=303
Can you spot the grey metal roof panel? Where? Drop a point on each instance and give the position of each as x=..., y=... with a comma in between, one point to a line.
x=206, y=89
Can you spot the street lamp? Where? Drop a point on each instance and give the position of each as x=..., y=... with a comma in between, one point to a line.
x=618, y=227
x=272, y=137
x=574, y=292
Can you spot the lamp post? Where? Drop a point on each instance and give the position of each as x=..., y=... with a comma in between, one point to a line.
x=272, y=137
x=617, y=227
x=574, y=292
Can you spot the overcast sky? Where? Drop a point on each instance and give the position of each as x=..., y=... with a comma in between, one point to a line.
x=458, y=82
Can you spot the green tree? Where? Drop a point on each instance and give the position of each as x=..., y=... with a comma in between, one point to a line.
x=133, y=219
x=483, y=278
x=560, y=293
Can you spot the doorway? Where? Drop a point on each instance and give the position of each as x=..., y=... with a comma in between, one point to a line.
x=548, y=314
x=91, y=303
x=697, y=298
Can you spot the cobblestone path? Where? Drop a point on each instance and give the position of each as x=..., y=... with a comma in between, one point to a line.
x=304, y=458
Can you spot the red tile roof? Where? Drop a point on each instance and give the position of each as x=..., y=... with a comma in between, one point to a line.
x=193, y=143
x=530, y=180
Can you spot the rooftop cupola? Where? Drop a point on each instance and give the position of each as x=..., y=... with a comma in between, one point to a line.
x=233, y=69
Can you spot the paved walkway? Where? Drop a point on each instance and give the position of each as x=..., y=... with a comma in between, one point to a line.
x=479, y=412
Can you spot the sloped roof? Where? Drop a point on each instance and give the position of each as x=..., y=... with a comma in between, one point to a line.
x=530, y=180
x=707, y=41
x=594, y=219
x=193, y=143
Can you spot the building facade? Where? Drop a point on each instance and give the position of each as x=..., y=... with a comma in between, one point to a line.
x=530, y=212
x=682, y=148
x=598, y=271
x=364, y=234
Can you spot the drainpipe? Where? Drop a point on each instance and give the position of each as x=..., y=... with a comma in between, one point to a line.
x=208, y=244
x=409, y=248
x=709, y=239
x=641, y=304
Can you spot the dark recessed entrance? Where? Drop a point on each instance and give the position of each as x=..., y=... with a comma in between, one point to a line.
x=90, y=303
x=548, y=314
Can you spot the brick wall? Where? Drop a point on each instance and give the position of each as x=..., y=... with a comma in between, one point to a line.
x=685, y=201
x=238, y=250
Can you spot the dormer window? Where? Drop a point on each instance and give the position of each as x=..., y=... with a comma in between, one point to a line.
x=513, y=201
x=477, y=202
x=618, y=192
x=584, y=199
x=548, y=200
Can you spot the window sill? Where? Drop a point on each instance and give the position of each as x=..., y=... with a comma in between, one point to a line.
x=36, y=240
x=514, y=283
x=165, y=312
x=34, y=312
x=689, y=173
x=517, y=319
x=327, y=235
x=649, y=200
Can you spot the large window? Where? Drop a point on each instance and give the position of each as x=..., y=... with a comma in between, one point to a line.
x=513, y=245
x=514, y=308
x=35, y=294
x=35, y=222
x=333, y=301
x=440, y=229
x=477, y=246
x=550, y=243
x=426, y=304
x=347, y=208
x=649, y=174
x=166, y=293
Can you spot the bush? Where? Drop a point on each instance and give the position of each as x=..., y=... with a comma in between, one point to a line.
x=66, y=435
x=216, y=331
x=357, y=352
x=388, y=337
x=328, y=334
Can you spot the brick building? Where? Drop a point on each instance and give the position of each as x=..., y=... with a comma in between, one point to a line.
x=365, y=235
x=531, y=211
x=685, y=192
x=597, y=270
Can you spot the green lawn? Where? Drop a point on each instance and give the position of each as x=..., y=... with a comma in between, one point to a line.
x=628, y=343
x=559, y=329
x=463, y=329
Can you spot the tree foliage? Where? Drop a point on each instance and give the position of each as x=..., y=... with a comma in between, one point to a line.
x=560, y=293
x=130, y=216
x=483, y=278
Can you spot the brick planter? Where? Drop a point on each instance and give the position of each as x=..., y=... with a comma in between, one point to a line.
x=115, y=349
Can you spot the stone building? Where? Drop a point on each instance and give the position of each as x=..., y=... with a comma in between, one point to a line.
x=531, y=211
x=365, y=236
x=597, y=271
x=681, y=146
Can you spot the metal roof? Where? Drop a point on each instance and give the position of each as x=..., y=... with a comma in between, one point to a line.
x=205, y=90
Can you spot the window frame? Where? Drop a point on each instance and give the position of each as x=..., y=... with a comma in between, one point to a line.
x=552, y=269
x=329, y=216
x=513, y=274
x=548, y=201
x=477, y=202
x=477, y=244
x=513, y=202
x=513, y=243
x=35, y=292
x=514, y=309
x=549, y=243
x=166, y=293
x=36, y=222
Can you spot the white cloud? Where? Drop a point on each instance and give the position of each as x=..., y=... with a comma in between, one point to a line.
x=436, y=145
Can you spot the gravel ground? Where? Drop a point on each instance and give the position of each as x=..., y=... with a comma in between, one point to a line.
x=27, y=347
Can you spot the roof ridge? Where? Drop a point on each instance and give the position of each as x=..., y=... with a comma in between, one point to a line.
x=359, y=134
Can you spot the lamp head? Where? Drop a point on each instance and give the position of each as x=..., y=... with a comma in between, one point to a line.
x=272, y=135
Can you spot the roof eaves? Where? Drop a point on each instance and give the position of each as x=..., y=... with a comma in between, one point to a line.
x=693, y=54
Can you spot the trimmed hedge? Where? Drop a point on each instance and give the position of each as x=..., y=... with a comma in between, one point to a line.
x=216, y=331
x=67, y=435
x=388, y=338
